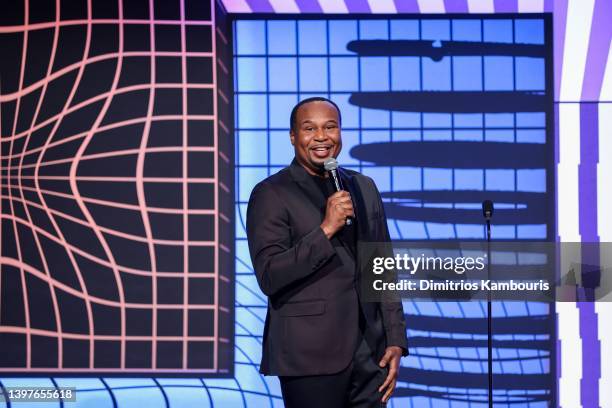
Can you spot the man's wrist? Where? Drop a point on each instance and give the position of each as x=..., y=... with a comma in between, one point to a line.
x=327, y=231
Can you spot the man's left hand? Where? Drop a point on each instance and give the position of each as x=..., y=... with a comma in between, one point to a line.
x=392, y=359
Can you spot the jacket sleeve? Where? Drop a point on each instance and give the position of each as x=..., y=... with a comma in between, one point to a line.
x=391, y=304
x=279, y=262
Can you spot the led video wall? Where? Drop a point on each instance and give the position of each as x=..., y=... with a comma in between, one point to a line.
x=442, y=113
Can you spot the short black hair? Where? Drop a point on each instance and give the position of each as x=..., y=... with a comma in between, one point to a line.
x=293, y=118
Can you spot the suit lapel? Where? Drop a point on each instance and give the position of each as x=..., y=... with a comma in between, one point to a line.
x=358, y=204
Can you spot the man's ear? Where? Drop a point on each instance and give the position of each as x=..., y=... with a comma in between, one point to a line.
x=292, y=137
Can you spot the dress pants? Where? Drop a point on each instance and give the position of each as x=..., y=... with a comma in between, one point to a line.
x=356, y=386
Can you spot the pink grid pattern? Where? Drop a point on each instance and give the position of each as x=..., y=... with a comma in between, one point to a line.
x=23, y=192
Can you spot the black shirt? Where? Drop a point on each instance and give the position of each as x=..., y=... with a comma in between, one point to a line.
x=348, y=233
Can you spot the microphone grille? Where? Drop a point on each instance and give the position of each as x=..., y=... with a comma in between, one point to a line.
x=487, y=208
x=330, y=164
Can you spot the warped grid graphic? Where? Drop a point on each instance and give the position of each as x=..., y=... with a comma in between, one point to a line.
x=110, y=215
x=395, y=81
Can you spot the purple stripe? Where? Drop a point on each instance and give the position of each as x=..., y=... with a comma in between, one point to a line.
x=591, y=355
x=549, y=6
x=506, y=6
x=407, y=6
x=587, y=189
x=559, y=22
x=309, y=6
x=456, y=6
x=599, y=42
x=357, y=6
x=558, y=357
x=587, y=172
x=260, y=6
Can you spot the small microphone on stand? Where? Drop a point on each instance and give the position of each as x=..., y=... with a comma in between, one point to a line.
x=331, y=165
x=487, y=212
x=487, y=209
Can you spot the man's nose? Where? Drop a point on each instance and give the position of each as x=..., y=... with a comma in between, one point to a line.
x=320, y=134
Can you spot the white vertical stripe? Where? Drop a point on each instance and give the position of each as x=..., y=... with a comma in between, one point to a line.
x=567, y=190
x=382, y=6
x=431, y=6
x=604, y=320
x=531, y=6
x=568, y=322
x=481, y=6
x=284, y=6
x=577, y=33
x=606, y=86
x=567, y=171
x=237, y=6
x=333, y=6
x=604, y=201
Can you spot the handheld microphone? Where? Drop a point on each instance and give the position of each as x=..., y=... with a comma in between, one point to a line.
x=331, y=165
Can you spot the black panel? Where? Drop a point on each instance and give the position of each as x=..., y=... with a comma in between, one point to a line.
x=107, y=319
x=201, y=291
x=74, y=313
x=199, y=70
x=168, y=70
x=201, y=259
x=169, y=258
x=139, y=322
x=199, y=102
x=71, y=46
x=138, y=354
x=201, y=227
x=44, y=351
x=164, y=195
x=40, y=45
x=104, y=39
x=167, y=10
x=170, y=290
x=129, y=253
x=135, y=71
x=164, y=164
x=169, y=322
x=169, y=354
x=166, y=133
x=137, y=37
x=97, y=79
x=166, y=226
x=136, y=9
x=137, y=288
x=167, y=37
x=105, y=9
x=201, y=322
x=201, y=195
x=168, y=102
x=198, y=38
x=200, y=133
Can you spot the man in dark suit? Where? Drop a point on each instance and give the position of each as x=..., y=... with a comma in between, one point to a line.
x=329, y=347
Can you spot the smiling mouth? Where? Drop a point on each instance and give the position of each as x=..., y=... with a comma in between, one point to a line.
x=321, y=151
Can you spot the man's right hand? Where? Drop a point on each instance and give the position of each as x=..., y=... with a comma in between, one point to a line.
x=339, y=207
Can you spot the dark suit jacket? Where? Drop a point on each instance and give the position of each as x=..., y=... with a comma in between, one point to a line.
x=312, y=322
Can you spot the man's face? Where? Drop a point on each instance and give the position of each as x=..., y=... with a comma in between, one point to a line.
x=317, y=135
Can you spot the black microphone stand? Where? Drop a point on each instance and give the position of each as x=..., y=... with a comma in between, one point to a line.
x=487, y=211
